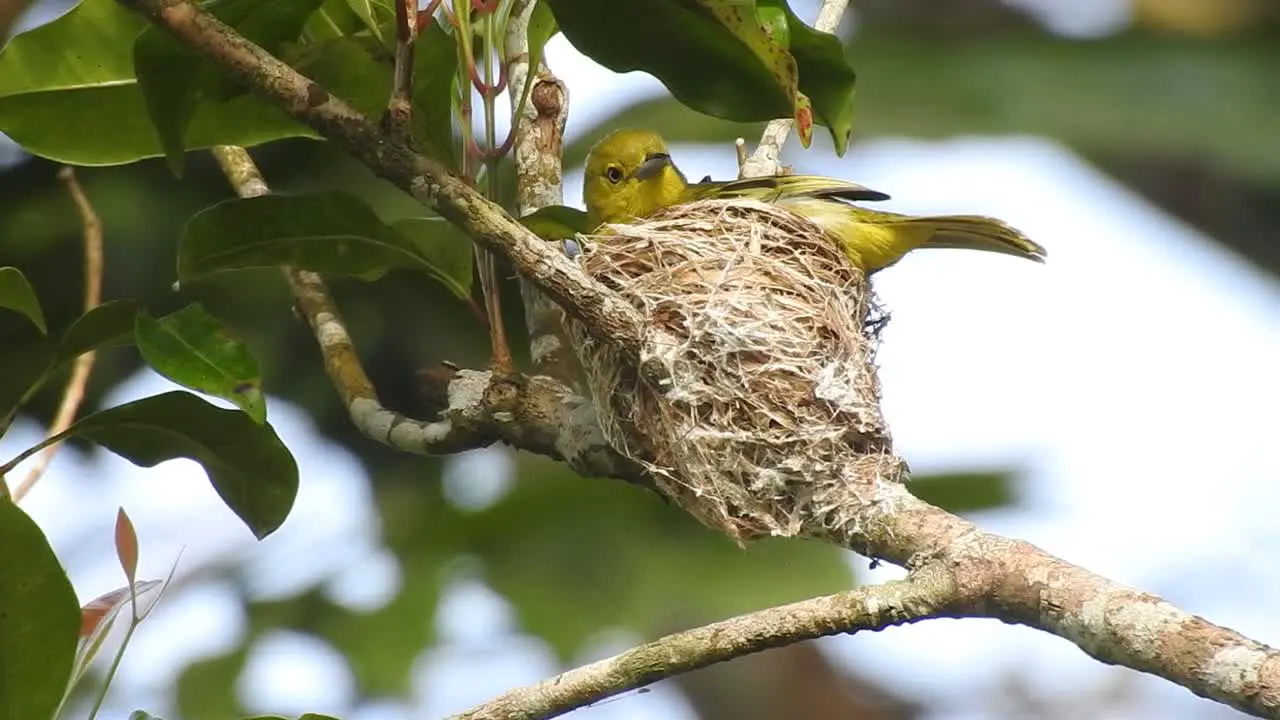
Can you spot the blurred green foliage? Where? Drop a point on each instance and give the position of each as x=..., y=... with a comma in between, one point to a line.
x=574, y=556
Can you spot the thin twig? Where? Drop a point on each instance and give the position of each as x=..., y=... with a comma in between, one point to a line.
x=919, y=596
x=399, y=117
x=500, y=350
x=766, y=160
x=73, y=395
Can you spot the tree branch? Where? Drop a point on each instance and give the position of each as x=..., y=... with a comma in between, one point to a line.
x=958, y=571
x=539, y=131
x=73, y=394
x=926, y=594
x=609, y=317
x=1017, y=582
x=536, y=414
x=399, y=114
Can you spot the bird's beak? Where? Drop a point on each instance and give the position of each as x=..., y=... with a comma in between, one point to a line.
x=653, y=164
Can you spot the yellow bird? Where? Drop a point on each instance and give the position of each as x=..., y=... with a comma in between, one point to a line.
x=629, y=175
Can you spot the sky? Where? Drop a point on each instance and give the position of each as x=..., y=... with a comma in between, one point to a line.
x=1131, y=379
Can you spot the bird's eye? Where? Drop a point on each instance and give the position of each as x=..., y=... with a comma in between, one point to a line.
x=614, y=173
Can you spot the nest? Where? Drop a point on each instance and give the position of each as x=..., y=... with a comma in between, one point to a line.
x=770, y=410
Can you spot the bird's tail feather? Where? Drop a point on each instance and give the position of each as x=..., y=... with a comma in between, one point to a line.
x=976, y=232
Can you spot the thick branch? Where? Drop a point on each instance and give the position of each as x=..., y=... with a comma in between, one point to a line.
x=425, y=179
x=921, y=595
x=539, y=130
x=1017, y=582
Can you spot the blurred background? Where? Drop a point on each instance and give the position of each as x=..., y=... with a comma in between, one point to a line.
x=1116, y=406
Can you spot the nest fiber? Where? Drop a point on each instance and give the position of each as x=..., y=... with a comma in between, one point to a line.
x=769, y=409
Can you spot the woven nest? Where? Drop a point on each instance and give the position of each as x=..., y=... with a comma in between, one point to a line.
x=772, y=409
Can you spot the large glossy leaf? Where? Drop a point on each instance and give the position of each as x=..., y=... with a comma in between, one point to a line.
x=195, y=350
x=435, y=65
x=250, y=468
x=766, y=35
x=17, y=294
x=327, y=232
x=39, y=620
x=57, y=77
x=80, y=66
x=708, y=68
x=446, y=250
x=173, y=79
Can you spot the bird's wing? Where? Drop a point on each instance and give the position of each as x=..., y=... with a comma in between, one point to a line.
x=772, y=189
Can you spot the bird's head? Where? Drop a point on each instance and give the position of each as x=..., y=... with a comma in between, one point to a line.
x=630, y=175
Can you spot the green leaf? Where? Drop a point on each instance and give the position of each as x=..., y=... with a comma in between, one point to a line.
x=59, y=76
x=557, y=222
x=194, y=349
x=143, y=715
x=250, y=468
x=17, y=294
x=110, y=323
x=369, y=11
x=447, y=251
x=24, y=365
x=706, y=67
x=47, y=91
x=173, y=79
x=39, y=620
x=336, y=19
x=327, y=232
x=960, y=492
x=435, y=66
x=766, y=35
x=166, y=73
x=826, y=77
x=30, y=358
